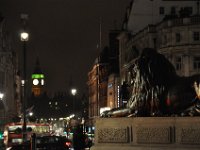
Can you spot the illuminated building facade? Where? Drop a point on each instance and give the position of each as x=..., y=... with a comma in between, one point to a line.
x=103, y=79
x=97, y=84
x=113, y=91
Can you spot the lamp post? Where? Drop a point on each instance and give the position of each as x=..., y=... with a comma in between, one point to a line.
x=24, y=38
x=1, y=98
x=73, y=91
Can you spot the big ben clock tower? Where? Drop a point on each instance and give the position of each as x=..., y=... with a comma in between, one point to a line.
x=37, y=80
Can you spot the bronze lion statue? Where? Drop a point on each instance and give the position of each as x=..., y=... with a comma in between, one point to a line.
x=158, y=91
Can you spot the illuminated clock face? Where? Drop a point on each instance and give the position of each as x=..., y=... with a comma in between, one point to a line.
x=42, y=81
x=35, y=81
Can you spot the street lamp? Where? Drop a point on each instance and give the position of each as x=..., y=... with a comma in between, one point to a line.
x=1, y=96
x=24, y=36
x=73, y=91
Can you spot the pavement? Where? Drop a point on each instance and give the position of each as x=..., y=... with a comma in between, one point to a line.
x=84, y=149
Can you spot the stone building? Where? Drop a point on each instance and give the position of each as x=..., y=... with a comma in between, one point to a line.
x=173, y=33
x=113, y=90
x=97, y=85
x=103, y=79
x=38, y=80
x=144, y=12
x=10, y=105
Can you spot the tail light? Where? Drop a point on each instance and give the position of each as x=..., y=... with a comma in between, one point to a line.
x=68, y=144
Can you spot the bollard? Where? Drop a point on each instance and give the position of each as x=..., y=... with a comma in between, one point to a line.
x=33, y=141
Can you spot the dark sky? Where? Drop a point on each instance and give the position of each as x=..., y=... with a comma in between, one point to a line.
x=64, y=35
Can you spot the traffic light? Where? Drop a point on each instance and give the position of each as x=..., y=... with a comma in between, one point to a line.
x=1, y=135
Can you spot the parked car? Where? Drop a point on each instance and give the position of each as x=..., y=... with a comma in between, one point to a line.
x=53, y=143
x=23, y=146
x=46, y=143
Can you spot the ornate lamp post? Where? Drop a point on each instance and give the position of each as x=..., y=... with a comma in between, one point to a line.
x=24, y=38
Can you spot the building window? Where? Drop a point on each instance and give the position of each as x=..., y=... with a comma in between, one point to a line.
x=164, y=40
x=186, y=11
x=189, y=10
x=154, y=43
x=196, y=36
x=110, y=85
x=178, y=63
x=162, y=11
x=196, y=63
x=178, y=37
x=173, y=11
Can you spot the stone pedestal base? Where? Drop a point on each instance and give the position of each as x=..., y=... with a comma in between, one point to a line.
x=147, y=133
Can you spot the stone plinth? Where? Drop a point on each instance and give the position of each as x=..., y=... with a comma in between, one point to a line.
x=147, y=133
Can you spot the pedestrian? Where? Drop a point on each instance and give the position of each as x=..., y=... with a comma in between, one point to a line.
x=78, y=138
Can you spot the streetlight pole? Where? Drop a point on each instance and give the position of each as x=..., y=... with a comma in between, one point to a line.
x=24, y=39
x=73, y=91
x=4, y=113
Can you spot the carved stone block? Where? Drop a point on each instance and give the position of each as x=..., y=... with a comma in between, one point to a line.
x=190, y=135
x=147, y=135
x=113, y=135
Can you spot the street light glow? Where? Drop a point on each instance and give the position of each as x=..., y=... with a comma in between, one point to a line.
x=31, y=114
x=24, y=36
x=1, y=96
x=73, y=91
x=22, y=82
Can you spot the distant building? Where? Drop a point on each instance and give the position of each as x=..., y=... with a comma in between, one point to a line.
x=38, y=80
x=97, y=84
x=92, y=89
x=103, y=79
x=113, y=89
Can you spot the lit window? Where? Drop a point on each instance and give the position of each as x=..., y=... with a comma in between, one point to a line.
x=56, y=103
x=110, y=85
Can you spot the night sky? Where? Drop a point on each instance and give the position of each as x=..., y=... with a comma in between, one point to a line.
x=64, y=35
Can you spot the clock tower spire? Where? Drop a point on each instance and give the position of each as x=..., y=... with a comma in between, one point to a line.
x=37, y=80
